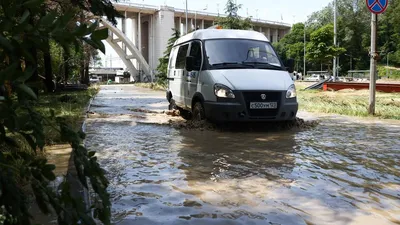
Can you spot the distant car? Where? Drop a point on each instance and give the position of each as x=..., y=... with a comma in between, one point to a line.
x=94, y=80
x=315, y=77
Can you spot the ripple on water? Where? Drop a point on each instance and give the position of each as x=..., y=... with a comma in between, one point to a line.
x=335, y=173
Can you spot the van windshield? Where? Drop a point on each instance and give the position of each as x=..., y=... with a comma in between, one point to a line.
x=237, y=53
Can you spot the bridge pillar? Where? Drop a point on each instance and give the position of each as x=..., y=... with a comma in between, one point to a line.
x=202, y=24
x=164, y=22
x=180, y=24
x=139, y=32
x=275, y=37
x=269, y=34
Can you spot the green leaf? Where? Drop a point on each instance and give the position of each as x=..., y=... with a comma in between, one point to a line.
x=86, y=219
x=82, y=30
x=48, y=19
x=5, y=43
x=2, y=132
x=52, y=113
x=49, y=167
x=100, y=46
x=93, y=26
x=91, y=153
x=40, y=199
x=7, y=72
x=26, y=75
x=33, y=3
x=24, y=16
x=27, y=90
x=48, y=174
x=30, y=141
x=100, y=34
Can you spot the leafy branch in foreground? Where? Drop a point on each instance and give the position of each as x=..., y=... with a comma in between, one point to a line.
x=25, y=31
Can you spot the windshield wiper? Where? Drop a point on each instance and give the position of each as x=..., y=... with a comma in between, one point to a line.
x=263, y=63
x=233, y=64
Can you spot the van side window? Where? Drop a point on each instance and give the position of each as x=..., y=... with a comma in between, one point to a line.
x=181, y=57
x=195, y=51
x=172, y=59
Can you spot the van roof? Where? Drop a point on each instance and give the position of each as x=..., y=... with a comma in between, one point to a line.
x=207, y=34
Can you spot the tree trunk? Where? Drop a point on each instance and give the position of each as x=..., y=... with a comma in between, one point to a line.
x=35, y=76
x=66, y=66
x=86, y=80
x=82, y=71
x=48, y=70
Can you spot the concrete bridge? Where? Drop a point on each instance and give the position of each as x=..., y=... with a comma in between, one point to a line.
x=151, y=27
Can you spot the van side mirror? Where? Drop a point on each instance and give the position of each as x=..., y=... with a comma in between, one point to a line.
x=189, y=63
x=289, y=64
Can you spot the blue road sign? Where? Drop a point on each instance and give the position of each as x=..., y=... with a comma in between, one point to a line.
x=377, y=6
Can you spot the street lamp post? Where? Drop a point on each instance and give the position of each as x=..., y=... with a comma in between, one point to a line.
x=186, y=17
x=304, y=58
x=335, y=39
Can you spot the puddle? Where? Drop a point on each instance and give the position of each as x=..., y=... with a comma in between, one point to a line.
x=326, y=170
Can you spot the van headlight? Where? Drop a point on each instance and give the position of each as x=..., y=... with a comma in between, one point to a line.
x=291, y=92
x=223, y=91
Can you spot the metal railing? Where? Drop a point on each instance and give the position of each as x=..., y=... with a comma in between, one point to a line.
x=199, y=13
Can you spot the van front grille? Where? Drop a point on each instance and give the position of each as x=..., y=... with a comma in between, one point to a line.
x=270, y=96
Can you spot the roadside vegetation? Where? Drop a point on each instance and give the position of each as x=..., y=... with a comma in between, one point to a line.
x=347, y=102
x=44, y=45
x=353, y=35
x=69, y=105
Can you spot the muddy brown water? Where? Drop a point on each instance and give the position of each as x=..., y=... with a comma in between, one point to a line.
x=339, y=172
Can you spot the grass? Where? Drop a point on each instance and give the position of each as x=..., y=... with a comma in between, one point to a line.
x=70, y=105
x=154, y=86
x=348, y=102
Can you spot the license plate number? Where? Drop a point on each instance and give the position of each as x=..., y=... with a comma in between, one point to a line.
x=263, y=105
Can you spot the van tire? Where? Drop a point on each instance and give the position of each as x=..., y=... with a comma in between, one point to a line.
x=172, y=104
x=198, y=112
x=185, y=114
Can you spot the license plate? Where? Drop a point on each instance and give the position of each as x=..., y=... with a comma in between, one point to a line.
x=263, y=105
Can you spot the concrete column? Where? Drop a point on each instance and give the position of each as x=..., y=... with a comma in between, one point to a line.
x=202, y=24
x=260, y=30
x=151, y=42
x=177, y=25
x=139, y=32
x=164, y=22
x=275, y=37
x=180, y=25
x=134, y=31
x=191, y=24
x=268, y=34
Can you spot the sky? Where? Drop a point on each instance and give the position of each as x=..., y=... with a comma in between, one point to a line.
x=288, y=11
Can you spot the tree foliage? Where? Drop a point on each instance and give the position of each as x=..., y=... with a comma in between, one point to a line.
x=162, y=67
x=233, y=20
x=29, y=29
x=353, y=35
x=321, y=49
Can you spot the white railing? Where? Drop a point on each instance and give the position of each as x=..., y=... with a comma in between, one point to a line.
x=199, y=13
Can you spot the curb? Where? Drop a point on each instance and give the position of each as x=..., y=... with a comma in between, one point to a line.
x=78, y=190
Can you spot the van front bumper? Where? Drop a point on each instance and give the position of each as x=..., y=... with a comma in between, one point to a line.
x=239, y=109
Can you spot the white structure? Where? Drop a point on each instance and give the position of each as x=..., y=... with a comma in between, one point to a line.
x=152, y=27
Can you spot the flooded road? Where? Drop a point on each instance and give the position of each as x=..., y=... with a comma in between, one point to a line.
x=340, y=172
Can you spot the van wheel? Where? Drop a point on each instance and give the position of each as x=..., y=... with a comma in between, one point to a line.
x=172, y=104
x=185, y=114
x=198, y=111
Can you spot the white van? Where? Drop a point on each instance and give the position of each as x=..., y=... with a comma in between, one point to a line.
x=230, y=75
